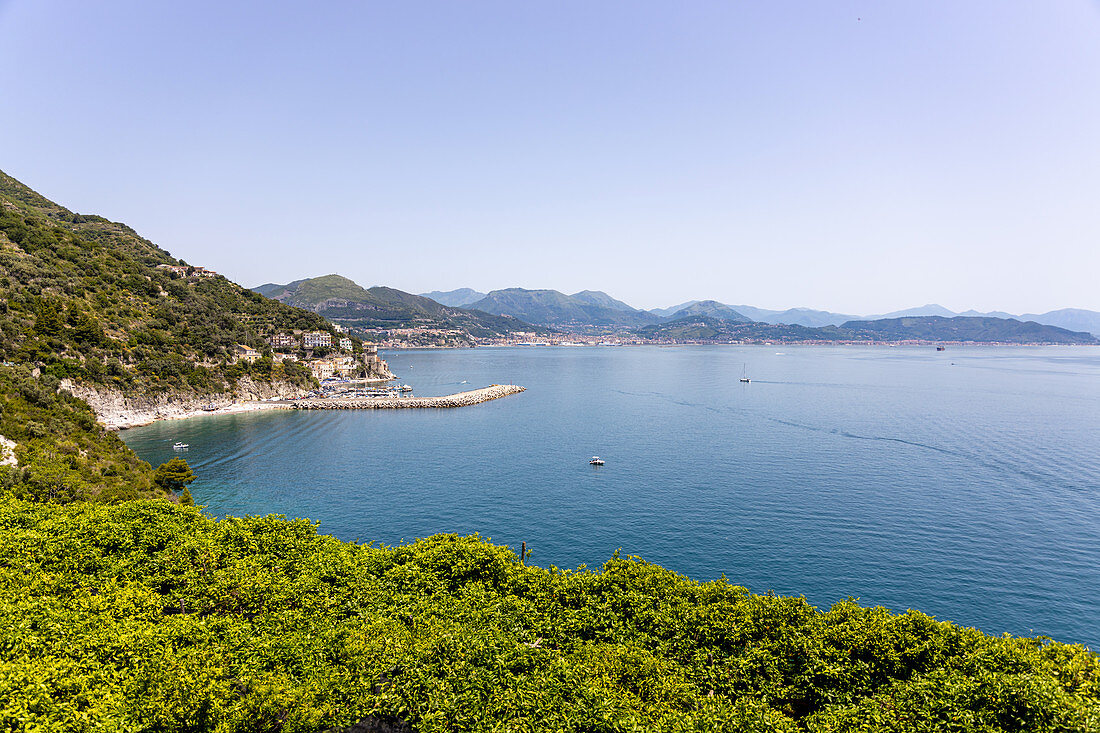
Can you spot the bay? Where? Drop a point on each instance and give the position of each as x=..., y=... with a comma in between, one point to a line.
x=964, y=483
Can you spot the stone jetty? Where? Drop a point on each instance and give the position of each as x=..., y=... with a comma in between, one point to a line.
x=461, y=399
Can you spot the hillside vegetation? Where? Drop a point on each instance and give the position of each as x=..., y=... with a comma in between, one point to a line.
x=82, y=297
x=62, y=453
x=151, y=616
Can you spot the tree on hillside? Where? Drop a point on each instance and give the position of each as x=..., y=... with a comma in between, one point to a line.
x=47, y=320
x=173, y=475
x=49, y=476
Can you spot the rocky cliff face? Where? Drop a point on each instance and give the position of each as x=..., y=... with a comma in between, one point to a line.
x=118, y=411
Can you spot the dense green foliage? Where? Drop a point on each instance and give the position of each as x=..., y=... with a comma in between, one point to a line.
x=151, y=616
x=63, y=454
x=82, y=297
x=173, y=475
x=342, y=300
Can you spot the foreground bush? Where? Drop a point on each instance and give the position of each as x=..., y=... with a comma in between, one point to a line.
x=151, y=616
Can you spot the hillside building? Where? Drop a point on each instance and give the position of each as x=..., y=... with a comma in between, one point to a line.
x=245, y=353
x=322, y=368
x=314, y=339
x=283, y=340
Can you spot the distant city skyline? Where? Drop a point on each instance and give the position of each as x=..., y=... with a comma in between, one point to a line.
x=853, y=157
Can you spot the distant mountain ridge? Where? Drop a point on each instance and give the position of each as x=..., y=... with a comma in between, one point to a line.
x=595, y=309
x=909, y=328
x=587, y=309
x=1071, y=319
x=459, y=298
x=967, y=328
x=344, y=301
x=712, y=309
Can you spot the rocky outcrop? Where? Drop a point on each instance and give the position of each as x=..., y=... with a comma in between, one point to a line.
x=118, y=411
x=461, y=399
x=7, y=452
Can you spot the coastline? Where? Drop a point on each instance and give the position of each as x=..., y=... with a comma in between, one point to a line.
x=136, y=419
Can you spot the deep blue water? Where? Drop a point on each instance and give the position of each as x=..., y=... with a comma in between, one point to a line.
x=963, y=483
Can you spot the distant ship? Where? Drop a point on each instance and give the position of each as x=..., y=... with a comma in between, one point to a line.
x=744, y=374
x=941, y=348
x=596, y=461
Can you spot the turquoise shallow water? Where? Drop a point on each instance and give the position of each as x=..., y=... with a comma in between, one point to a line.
x=964, y=483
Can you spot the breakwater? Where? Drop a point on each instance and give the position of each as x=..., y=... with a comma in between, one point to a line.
x=460, y=399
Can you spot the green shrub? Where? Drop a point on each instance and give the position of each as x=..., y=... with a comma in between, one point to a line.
x=150, y=616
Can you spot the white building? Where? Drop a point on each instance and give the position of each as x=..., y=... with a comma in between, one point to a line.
x=283, y=339
x=313, y=339
x=345, y=344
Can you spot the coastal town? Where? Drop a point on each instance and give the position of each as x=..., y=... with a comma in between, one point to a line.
x=414, y=338
x=327, y=358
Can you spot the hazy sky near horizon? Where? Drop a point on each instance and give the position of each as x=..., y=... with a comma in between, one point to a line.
x=855, y=156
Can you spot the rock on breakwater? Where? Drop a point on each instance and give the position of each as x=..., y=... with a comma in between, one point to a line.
x=460, y=399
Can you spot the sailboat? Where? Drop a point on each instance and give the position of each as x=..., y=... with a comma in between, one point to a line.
x=745, y=374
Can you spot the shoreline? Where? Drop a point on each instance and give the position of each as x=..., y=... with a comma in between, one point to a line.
x=457, y=399
x=233, y=408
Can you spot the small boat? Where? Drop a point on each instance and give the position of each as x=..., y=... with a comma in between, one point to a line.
x=180, y=446
x=405, y=388
x=596, y=461
x=744, y=374
x=941, y=348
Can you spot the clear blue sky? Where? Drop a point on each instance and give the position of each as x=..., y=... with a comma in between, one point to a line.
x=856, y=156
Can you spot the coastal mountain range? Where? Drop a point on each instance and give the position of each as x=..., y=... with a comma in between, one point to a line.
x=342, y=301
x=588, y=310
x=1073, y=319
x=910, y=328
x=555, y=309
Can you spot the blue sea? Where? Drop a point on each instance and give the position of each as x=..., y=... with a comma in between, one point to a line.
x=963, y=483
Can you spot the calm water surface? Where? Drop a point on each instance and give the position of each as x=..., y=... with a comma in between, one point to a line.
x=964, y=483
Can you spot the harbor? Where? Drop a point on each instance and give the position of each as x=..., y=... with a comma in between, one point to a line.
x=391, y=402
